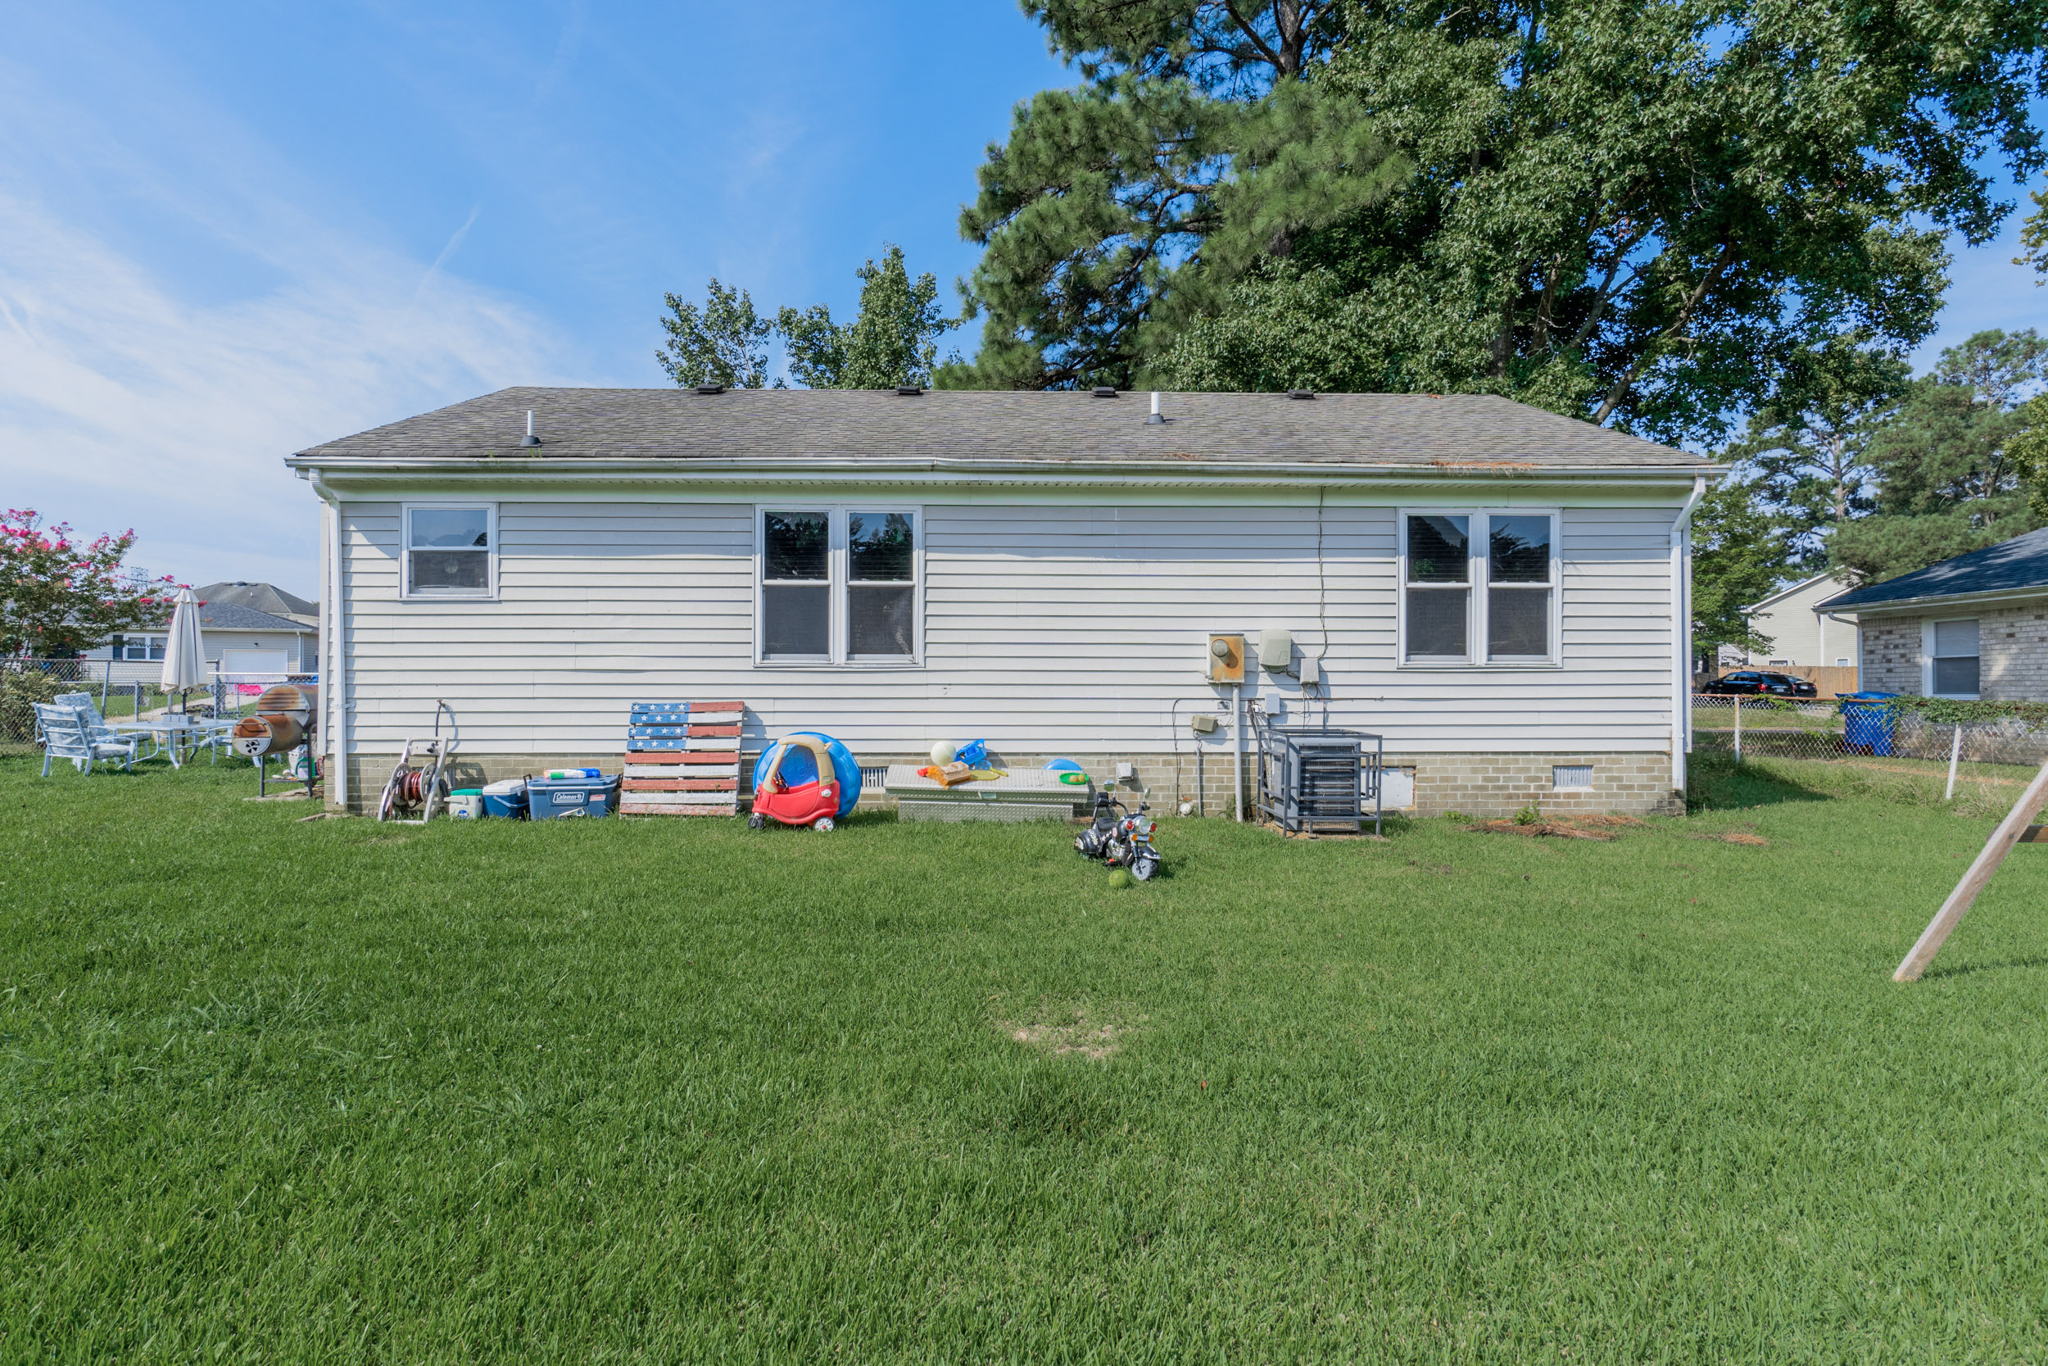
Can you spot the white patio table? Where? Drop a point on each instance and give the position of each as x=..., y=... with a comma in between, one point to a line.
x=177, y=732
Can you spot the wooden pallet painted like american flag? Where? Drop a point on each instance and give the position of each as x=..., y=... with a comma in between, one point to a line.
x=682, y=759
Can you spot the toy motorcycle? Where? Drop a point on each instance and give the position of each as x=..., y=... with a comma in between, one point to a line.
x=1120, y=837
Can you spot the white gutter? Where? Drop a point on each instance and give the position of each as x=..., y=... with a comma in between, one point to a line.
x=334, y=633
x=1681, y=633
x=808, y=466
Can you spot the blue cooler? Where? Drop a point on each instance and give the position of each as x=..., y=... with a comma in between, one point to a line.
x=506, y=798
x=549, y=798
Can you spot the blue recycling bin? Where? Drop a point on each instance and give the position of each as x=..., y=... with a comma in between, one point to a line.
x=1868, y=725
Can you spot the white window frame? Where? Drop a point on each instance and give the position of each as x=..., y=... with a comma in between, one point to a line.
x=838, y=565
x=152, y=649
x=1478, y=526
x=492, y=551
x=1927, y=626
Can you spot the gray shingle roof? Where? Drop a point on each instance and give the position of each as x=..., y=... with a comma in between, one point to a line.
x=232, y=616
x=1373, y=429
x=264, y=597
x=2019, y=563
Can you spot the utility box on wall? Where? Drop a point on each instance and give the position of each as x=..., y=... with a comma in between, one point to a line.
x=1226, y=658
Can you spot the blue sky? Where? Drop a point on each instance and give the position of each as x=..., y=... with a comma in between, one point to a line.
x=232, y=230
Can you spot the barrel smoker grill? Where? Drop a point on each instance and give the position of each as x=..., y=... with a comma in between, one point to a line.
x=284, y=719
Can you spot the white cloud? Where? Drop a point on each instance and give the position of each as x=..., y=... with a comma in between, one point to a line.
x=121, y=403
x=180, y=309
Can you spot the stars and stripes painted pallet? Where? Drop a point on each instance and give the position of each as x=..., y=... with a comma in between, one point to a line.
x=682, y=759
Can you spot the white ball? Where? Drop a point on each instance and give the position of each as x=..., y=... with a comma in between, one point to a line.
x=944, y=752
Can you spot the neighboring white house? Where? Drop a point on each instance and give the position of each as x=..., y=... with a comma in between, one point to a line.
x=1499, y=591
x=1800, y=637
x=237, y=639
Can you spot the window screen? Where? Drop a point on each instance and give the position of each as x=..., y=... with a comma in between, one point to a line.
x=448, y=551
x=1955, y=670
x=881, y=585
x=796, y=585
x=1515, y=575
x=839, y=586
x=1518, y=587
x=1438, y=593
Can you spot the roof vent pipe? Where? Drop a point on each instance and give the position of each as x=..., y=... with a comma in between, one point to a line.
x=1155, y=409
x=529, y=439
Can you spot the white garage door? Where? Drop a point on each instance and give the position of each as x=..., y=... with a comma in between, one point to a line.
x=253, y=666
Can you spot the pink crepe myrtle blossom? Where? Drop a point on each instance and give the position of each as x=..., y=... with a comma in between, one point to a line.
x=63, y=595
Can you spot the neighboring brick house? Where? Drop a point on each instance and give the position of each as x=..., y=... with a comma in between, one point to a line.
x=1975, y=626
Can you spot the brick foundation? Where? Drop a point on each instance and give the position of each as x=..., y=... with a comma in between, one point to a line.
x=1474, y=784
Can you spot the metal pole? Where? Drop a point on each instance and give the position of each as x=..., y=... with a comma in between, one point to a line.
x=1738, y=729
x=1955, y=752
x=106, y=681
x=1237, y=736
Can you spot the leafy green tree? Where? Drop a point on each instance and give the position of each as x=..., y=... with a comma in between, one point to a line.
x=1641, y=213
x=1805, y=450
x=1740, y=554
x=2034, y=236
x=724, y=342
x=2027, y=450
x=1948, y=479
x=892, y=340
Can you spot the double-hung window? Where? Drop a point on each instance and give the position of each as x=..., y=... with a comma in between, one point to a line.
x=1953, y=666
x=450, y=550
x=839, y=586
x=1479, y=587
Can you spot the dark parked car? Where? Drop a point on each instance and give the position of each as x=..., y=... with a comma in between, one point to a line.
x=1759, y=683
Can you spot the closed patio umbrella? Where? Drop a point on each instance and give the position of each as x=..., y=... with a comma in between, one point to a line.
x=184, y=657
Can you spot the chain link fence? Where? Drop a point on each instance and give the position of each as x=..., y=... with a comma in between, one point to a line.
x=1914, y=746
x=122, y=690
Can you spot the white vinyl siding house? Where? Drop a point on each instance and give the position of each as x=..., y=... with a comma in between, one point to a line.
x=1047, y=626
x=1056, y=614
x=1800, y=636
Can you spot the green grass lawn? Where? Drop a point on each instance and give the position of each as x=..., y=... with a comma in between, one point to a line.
x=682, y=1091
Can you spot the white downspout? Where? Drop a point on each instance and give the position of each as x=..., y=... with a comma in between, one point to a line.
x=1681, y=633
x=1856, y=626
x=334, y=632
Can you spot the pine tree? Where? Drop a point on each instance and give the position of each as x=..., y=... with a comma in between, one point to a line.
x=1948, y=481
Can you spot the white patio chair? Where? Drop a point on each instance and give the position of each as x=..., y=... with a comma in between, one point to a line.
x=66, y=735
x=113, y=731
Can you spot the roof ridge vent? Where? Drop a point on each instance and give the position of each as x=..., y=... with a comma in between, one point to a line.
x=708, y=389
x=909, y=390
x=1103, y=391
x=1301, y=393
